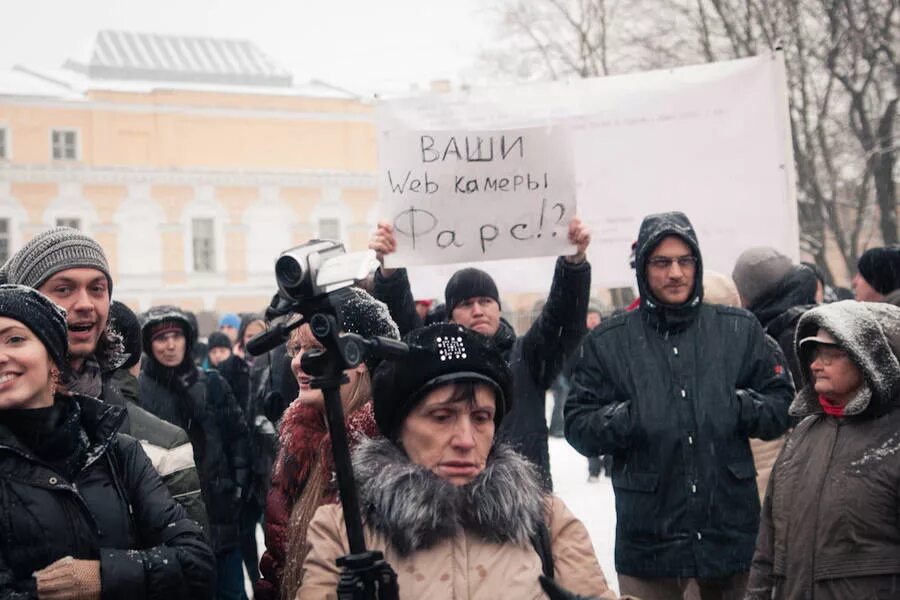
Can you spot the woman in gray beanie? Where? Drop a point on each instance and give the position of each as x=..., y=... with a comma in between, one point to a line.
x=84, y=513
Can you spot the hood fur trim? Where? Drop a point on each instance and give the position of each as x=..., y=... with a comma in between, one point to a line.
x=415, y=509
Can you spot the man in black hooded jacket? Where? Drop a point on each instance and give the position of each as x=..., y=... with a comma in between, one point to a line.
x=673, y=391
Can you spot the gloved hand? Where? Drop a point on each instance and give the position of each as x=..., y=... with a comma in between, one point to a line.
x=555, y=592
x=69, y=579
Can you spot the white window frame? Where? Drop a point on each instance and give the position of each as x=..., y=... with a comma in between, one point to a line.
x=6, y=132
x=63, y=130
x=77, y=220
x=10, y=224
x=212, y=258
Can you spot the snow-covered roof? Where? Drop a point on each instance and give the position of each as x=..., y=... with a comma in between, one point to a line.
x=20, y=82
x=150, y=57
x=144, y=63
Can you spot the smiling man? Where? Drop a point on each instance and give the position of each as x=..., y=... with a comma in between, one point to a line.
x=673, y=391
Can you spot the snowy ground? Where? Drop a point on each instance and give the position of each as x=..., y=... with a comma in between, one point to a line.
x=593, y=503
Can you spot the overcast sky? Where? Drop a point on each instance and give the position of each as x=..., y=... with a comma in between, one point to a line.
x=366, y=45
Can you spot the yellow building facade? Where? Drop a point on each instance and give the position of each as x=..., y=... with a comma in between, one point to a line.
x=194, y=162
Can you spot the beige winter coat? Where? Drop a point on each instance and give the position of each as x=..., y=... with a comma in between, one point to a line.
x=462, y=567
x=447, y=542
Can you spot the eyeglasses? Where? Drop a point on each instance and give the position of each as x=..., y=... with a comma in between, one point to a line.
x=665, y=262
x=827, y=354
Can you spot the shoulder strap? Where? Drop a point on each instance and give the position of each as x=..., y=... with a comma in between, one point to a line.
x=541, y=542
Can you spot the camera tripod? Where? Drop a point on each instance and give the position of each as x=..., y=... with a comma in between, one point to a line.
x=365, y=574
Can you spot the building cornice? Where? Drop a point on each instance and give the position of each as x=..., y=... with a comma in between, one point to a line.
x=177, y=109
x=137, y=175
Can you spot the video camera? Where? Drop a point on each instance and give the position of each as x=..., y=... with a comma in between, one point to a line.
x=313, y=281
x=310, y=278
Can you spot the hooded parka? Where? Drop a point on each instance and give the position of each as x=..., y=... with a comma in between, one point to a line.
x=673, y=393
x=448, y=542
x=201, y=403
x=830, y=527
x=115, y=510
x=536, y=358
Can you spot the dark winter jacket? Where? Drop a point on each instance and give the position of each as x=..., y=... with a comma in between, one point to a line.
x=535, y=358
x=674, y=393
x=201, y=403
x=830, y=525
x=780, y=307
x=167, y=446
x=214, y=422
x=394, y=291
x=115, y=510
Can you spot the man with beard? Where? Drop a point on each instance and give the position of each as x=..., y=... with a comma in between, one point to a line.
x=673, y=390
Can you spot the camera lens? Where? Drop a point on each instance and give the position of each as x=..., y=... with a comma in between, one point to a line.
x=289, y=271
x=320, y=325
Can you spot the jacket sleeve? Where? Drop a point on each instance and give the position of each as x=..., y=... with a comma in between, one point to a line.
x=765, y=388
x=15, y=589
x=396, y=293
x=327, y=543
x=762, y=582
x=236, y=432
x=554, y=335
x=574, y=561
x=175, y=562
x=178, y=471
x=597, y=416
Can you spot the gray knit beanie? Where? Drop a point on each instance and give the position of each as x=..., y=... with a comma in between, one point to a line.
x=50, y=252
x=758, y=270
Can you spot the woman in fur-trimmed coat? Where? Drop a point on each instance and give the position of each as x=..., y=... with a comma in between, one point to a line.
x=455, y=515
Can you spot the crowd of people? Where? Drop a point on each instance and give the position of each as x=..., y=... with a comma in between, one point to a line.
x=749, y=425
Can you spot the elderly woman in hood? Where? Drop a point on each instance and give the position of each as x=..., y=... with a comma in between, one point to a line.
x=455, y=514
x=830, y=525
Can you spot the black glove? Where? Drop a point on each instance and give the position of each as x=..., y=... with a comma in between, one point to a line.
x=552, y=589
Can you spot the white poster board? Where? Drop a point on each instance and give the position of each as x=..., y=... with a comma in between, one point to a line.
x=472, y=196
x=711, y=140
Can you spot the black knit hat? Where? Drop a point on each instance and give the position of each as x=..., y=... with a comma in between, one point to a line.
x=166, y=317
x=123, y=320
x=439, y=354
x=40, y=315
x=880, y=267
x=469, y=283
x=217, y=339
x=52, y=251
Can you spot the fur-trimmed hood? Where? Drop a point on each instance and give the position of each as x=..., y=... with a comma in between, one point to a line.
x=415, y=509
x=870, y=334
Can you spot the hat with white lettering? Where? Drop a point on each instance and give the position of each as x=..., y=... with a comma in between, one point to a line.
x=439, y=354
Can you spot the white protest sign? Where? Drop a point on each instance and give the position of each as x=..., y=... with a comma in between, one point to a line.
x=456, y=196
x=710, y=140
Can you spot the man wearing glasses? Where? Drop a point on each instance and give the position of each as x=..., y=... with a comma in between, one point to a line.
x=673, y=391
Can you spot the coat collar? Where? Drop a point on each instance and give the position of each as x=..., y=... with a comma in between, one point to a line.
x=415, y=509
